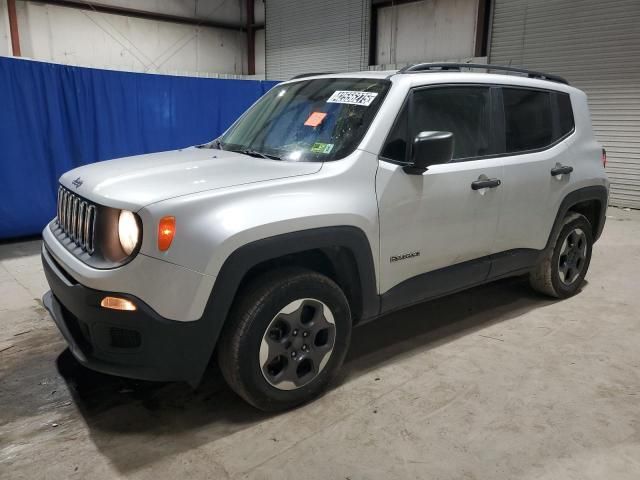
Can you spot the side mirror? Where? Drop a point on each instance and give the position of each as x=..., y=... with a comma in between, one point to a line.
x=430, y=148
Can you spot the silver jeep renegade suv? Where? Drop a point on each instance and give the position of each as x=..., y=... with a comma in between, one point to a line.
x=333, y=200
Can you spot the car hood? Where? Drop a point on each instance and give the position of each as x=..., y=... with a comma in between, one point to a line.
x=134, y=182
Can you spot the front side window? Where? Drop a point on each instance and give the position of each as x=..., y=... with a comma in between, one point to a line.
x=463, y=111
x=395, y=147
x=313, y=120
x=528, y=119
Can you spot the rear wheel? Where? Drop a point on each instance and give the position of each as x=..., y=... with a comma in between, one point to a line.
x=286, y=337
x=563, y=266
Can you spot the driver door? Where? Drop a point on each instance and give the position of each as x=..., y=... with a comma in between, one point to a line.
x=437, y=229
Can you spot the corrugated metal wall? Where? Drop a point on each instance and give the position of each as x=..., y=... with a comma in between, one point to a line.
x=316, y=36
x=595, y=44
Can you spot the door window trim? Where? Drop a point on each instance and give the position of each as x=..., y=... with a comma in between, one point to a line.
x=497, y=120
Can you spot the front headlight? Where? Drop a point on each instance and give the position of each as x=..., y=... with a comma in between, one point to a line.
x=128, y=231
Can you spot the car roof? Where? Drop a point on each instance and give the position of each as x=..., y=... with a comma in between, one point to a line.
x=381, y=74
x=419, y=78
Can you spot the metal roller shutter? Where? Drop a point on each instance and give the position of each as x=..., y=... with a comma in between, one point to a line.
x=596, y=46
x=316, y=36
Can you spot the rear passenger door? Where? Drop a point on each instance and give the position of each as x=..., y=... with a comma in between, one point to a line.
x=535, y=124
x=437, y=220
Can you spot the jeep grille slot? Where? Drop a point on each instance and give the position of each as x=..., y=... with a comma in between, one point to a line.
x=76, y=218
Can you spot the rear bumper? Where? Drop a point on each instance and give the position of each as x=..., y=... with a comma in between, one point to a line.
x=137, y=344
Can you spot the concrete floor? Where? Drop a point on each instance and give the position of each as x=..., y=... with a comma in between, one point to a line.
x=493, y=383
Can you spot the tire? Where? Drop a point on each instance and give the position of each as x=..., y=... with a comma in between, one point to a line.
x=265, y=330
x=561, y=270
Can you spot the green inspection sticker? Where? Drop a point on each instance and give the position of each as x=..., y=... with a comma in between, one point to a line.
x=321, y=147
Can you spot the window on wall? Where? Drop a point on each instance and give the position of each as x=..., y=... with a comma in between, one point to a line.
x=463, y=111
x=528, y=119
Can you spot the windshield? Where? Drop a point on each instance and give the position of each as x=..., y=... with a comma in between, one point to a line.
x=308, y=121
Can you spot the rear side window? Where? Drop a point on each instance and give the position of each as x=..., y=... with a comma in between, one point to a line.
x=528, y=119
x=565, y=114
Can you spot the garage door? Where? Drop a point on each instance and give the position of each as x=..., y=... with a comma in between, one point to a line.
x=596, y=46
x=316, y=36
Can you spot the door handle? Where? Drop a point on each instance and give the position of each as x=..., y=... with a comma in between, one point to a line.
x=485, y=183
x=561, y=170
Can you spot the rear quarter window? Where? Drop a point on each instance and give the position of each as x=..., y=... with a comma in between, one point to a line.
x=565, y=114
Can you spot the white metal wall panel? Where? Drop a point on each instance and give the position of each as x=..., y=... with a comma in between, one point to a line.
x=595, y=44
x=71, y=36
x=427, y=30
x=316, y=36
x=5, y=38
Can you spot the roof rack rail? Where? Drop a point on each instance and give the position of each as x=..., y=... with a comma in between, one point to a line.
x=440, y=67
x=303, y=75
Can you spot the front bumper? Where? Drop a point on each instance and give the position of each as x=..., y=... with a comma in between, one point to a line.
x=172, y=291
x=137, y=344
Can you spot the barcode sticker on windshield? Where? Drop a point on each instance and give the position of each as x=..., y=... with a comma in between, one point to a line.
x=352, y=98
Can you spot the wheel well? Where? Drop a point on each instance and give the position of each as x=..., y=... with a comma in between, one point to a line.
x=337, y=263
x=590, y=209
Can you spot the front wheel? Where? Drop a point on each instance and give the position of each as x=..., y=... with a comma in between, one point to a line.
x=563, y=265
x=285, y=338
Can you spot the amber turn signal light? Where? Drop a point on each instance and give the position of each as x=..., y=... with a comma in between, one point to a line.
x=166, y=231
x=117, y=303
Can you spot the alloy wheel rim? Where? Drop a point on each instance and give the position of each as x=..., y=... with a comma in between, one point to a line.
x=573, y=256
x=297, y=344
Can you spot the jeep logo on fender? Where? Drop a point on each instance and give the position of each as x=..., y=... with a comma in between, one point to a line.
x=404, y=256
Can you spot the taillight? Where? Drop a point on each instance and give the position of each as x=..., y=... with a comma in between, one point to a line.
x=604, y=158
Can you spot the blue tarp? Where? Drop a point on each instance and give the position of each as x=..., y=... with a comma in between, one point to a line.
x=55, y=117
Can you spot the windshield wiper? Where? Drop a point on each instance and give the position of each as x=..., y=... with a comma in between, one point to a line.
x=255, y=153
x=213, y=144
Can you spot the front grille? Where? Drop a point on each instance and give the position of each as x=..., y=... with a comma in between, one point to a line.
x=77, y=219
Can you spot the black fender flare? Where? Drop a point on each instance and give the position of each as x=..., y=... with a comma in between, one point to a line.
x=249, y=255
x=594, y=192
